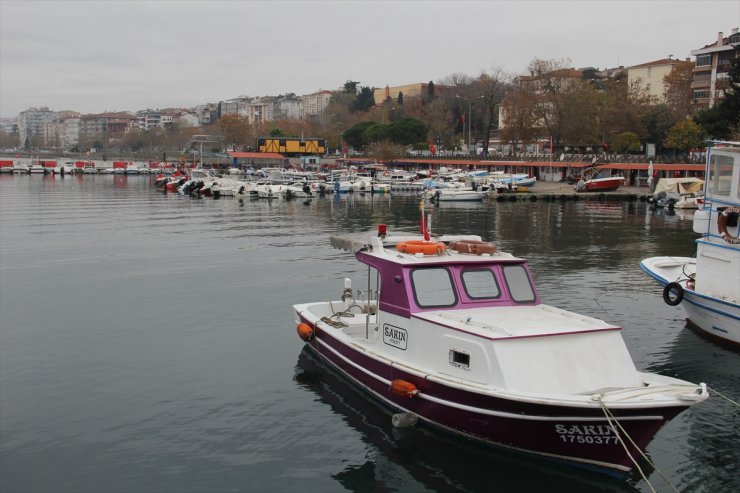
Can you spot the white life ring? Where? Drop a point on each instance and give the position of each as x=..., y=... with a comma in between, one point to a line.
x=386, y=173
x=722, y=225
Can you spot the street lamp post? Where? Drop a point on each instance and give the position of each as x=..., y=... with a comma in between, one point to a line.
x=470, y=133
x=470, y=116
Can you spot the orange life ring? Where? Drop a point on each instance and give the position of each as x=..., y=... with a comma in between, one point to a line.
x=386, y=173
x=420, y=246
x=722, y=225
x=473, y=246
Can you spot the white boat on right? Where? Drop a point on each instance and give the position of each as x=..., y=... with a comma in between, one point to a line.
x=708, y=285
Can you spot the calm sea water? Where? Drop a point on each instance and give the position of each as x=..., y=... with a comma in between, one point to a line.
x=147, y=343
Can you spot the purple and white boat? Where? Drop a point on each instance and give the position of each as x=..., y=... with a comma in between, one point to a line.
x=453, y=333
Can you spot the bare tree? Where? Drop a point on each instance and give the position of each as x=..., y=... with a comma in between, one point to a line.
x=580, y=112
x=236, y=130
x=519, y=118
x=678, y=92
x=625, y=108
x=550, y=81
x=490, y=89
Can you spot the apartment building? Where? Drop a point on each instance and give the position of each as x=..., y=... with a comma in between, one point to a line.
x=418, y=90
x=313, y=105
x=712, y=63
x=107, y=124
x=286, y=107
x=70, y=133
x=33, y=125
x=650, y=76
x=257, y=110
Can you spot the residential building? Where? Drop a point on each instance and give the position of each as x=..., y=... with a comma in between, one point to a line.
x=313, y=105
x=286, y=107
x=70, y=133
x=186, y=119
x=257, y=110
x=231, y=106
x=418, y=90
x=207, y=113
x=650, y=76
x=33, y=126
x=9, y=126
x=107, y=125
x=712, y=63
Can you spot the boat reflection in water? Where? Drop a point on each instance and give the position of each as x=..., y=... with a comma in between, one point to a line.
x=432, y=460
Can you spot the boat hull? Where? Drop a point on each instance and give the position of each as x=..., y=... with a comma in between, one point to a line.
x=459, y=196
x=602, y=185
x=578, y=435
x=714, y=316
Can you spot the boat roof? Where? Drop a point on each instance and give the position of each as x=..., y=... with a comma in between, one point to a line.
x=516, y=322
x=384, y=247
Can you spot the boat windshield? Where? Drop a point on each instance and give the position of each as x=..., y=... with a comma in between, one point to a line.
x=437, y=287
x=719, y=182
x=518, y=282
x=480, y=284
x=433, y=287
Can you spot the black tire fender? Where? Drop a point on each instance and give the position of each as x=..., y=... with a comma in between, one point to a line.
x=669, y=289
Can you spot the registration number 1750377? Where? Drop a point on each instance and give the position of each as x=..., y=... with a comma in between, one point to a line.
x=587, y=434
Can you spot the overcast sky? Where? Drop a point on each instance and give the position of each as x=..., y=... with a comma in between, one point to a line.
x=125, y=55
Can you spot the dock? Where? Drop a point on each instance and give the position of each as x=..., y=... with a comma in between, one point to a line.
x=561, y=191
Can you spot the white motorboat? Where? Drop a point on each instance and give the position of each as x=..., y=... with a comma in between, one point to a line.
x=271, y=191
x=37, y=168
x=707, y=286
x=299, y=191
x=20, y=168
x=452, y=332
x=67, y=168
x=515, y=179
x=678, y=193
x=457, y=195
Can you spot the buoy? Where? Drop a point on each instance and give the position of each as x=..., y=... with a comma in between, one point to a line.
x=403, y=388
x=420, y=246
x=473, y=246
x=305, y=331
x=722, y=220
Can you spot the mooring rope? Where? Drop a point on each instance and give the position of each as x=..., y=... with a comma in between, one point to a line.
x=723, y=396
x=609, y=417
x=344, y=313
x=621, y=442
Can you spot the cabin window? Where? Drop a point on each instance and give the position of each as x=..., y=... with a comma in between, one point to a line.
x=720, y=175
x=433, y=287
x=480, y=284
x=518, y=282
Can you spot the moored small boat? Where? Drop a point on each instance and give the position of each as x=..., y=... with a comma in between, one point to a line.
x=20, y=168
x=6, y=166
x=707, y=285
x=591, y=180
x=457, y=195
x=449, y=330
